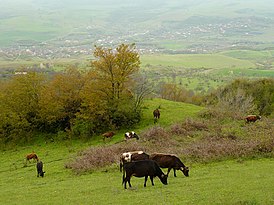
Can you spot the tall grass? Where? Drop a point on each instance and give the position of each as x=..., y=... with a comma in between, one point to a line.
x=193, y=140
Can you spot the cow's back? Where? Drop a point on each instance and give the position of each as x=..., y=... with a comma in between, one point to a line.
x=138, y=157
x=140, y=168
x=166, y=161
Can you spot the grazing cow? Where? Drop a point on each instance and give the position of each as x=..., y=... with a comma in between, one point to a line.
x=131, y=135
x=108, y=135
x=156, y=114
x=143, y=168
x=252, y=118
x=169, y=161
x=32, y=156
x=132, y=156
x=39, y=167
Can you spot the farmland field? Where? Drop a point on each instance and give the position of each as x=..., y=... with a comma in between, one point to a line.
x=202, y=72
x=196, y=61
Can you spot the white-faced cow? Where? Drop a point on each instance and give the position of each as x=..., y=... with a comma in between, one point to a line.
x=252, y=118
x=131, y=135
x=169, y=161
x=39, y=167
x=143, y=168
x=132, y=156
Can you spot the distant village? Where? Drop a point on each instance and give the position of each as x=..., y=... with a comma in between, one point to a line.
x=202, y=38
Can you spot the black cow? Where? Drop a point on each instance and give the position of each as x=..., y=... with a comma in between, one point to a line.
x=39, y=167
x=132, y=156
x=169, y=161
x=143, y=168
x=131, y=135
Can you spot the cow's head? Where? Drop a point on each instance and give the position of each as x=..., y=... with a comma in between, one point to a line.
x=126, y=156
x=185, y=170
x=134, y=135
x=42, y=174
x=163, y=179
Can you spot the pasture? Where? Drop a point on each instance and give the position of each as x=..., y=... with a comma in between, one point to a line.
x=235, y=181
x=228, y=182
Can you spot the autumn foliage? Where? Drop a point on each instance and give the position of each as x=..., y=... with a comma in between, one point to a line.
x=81, y=103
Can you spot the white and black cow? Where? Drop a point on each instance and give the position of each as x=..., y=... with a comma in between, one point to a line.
x=132, y=156
x=131, y=135
x=143, y=168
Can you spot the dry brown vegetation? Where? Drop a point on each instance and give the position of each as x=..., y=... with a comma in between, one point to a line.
x=199, y=140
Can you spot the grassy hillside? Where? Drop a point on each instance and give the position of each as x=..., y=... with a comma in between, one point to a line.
x=231, y=182
x=235, y=181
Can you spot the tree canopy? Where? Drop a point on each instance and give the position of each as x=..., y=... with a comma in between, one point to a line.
x=73, y=101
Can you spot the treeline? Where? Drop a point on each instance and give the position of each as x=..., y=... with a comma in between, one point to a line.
x=240, y=97
x=80, y=103
x=107, y=96
x=245, y=96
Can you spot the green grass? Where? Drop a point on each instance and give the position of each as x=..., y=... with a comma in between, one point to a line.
x=226, y=182
x=196, y=61
x=171, y=112
x=230, y=182
x=249, y=54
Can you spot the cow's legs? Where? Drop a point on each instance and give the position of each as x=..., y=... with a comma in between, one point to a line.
x=168, y=170
x=151, y=179
x=145, y=184
x=174, y=172
x=127, y=179
x=125, y=183
x=129, y=182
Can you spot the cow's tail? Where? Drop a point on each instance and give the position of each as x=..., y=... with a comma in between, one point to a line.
x=124, y=178
x=121, y=164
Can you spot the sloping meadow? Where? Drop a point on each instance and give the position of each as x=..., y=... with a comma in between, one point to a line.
x=194, y=140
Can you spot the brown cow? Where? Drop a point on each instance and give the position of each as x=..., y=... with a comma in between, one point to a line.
x=170, y=161
x=156, y=114
x=108, y=135
x=32, y=156
x=132, y=156
x=252, y=118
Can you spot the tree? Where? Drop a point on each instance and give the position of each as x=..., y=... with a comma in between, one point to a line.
x=19, y=105
x=108, y=91
x=61, y=100
x=114, y=68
